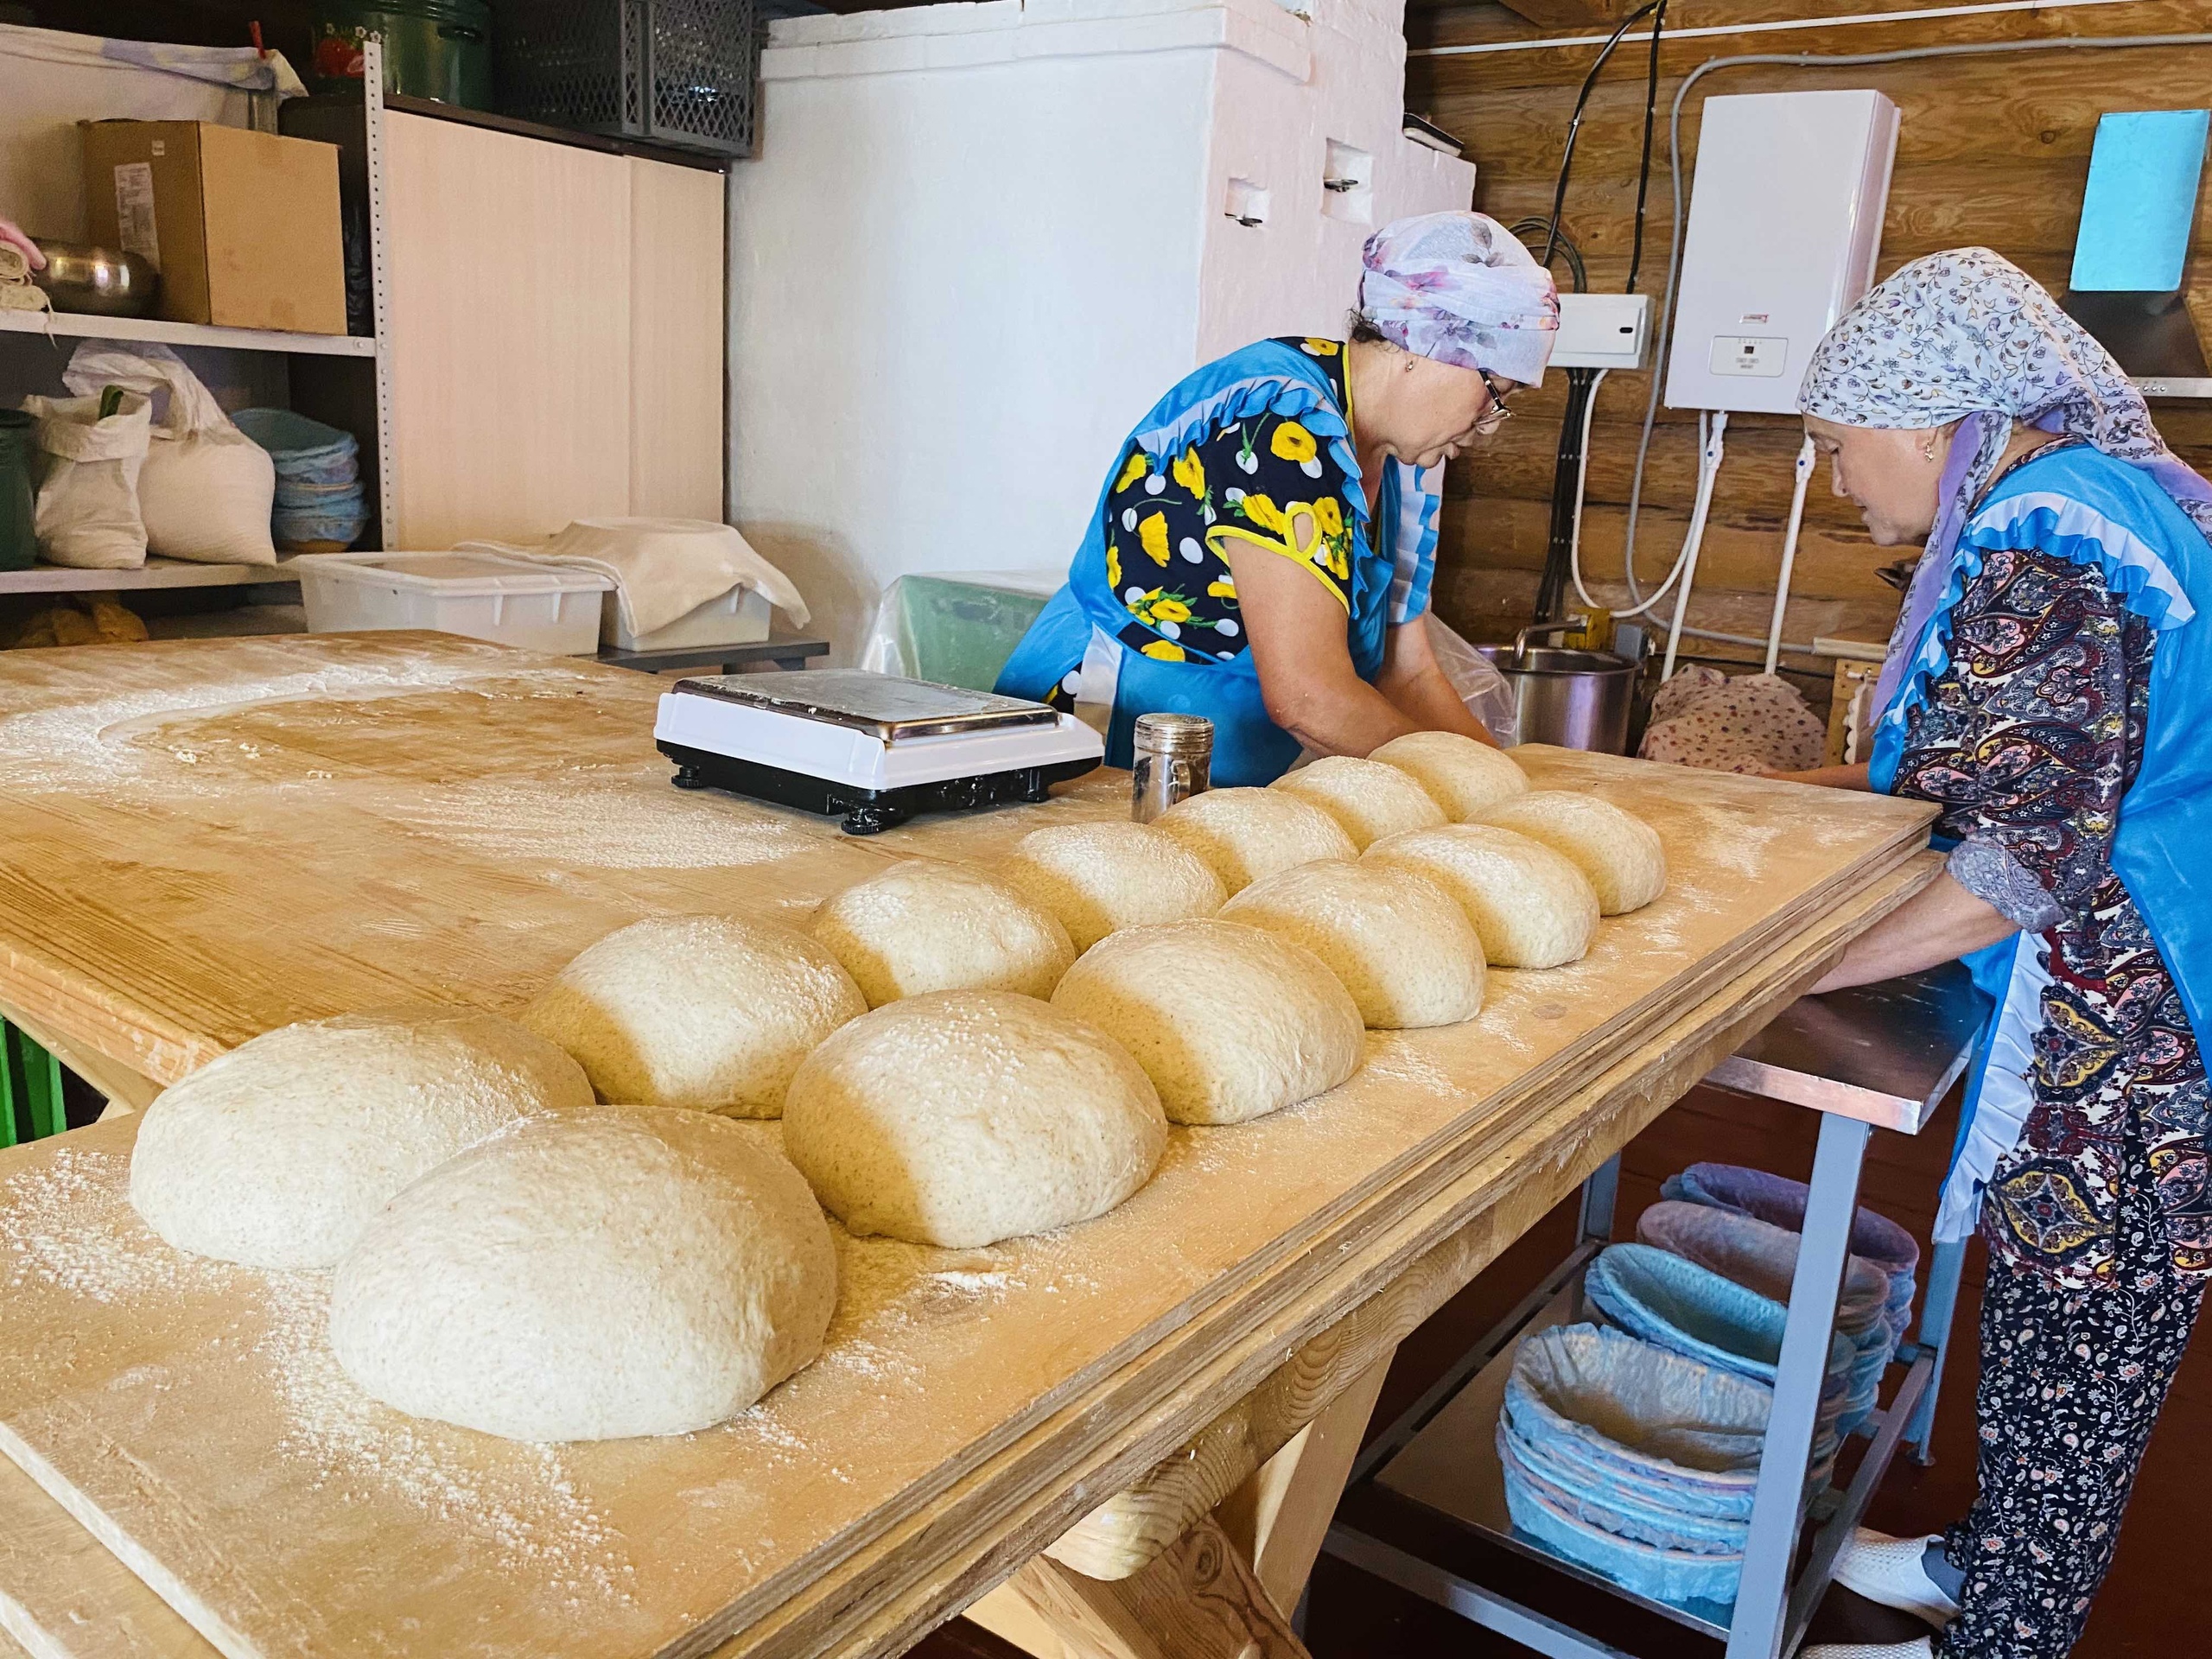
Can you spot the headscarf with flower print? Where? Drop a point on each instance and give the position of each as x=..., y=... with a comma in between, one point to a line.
x=1968, y=336
x=1459, y=287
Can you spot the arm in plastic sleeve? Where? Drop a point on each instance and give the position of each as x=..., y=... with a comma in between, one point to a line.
x=1484, y=690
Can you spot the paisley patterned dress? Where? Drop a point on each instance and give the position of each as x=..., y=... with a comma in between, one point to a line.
x=2028, y=740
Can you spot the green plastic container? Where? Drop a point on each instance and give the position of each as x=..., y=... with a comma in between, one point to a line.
x=18, y=540
x=960, y=633
x=432, y=48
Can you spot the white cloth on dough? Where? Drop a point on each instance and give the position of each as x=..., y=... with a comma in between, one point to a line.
x=663, y=568
x=1760, y=723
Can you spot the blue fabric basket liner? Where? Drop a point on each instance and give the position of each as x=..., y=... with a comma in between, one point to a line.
x=1655, y=1294
x=305, y=450
x=1760, y=1256
x=1778, y=1199
x=1568, y=1462
x=1668, y=1576
x=1655, y=1415
x=1609, y=1510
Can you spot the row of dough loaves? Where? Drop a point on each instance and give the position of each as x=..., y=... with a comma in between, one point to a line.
x=957, y=1059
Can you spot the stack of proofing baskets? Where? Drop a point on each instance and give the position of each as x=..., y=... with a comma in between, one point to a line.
x=1632, y=1445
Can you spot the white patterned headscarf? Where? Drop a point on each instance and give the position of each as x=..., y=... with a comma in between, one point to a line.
x=1968, y=336
x=1459, y=287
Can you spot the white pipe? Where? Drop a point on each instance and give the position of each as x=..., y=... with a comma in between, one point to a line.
x=1558, y=43
x=1581, y=478
x=1674, y=571
x=1790, y=549
x=1708, y=471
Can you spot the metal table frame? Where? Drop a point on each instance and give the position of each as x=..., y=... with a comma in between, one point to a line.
x=1881, y=1056
x=784, y=651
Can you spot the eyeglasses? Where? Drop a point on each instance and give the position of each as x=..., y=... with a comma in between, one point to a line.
x=1498, y=414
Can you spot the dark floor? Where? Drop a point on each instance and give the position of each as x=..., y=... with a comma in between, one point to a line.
x=2152, y=1604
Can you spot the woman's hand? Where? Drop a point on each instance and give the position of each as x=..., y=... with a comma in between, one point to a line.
x=1940, y=923
x=1418, y=687
x=1297, y=635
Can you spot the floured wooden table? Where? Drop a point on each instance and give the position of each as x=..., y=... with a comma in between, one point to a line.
x=210, y=839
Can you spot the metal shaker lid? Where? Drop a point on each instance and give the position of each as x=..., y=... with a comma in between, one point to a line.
x=1164, y=734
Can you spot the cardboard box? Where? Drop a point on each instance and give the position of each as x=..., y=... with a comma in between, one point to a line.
x=243, y=225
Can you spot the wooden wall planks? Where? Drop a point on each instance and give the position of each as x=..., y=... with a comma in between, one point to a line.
x=1991, y=150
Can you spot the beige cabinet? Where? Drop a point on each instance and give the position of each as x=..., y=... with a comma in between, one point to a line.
x=552, y=331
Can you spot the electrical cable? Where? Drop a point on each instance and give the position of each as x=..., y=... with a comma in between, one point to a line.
x=1650, y=119
x=1574, y=123
x=1581, y=478
x=1808, y=61
x=1803, y=470
x=1708, y=477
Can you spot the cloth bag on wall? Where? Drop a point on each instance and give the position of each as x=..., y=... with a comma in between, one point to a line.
x=87, y=513
x=207, y=489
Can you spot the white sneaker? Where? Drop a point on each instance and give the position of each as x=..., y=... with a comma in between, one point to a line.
x=1919, y=1648
x=1890, y=1571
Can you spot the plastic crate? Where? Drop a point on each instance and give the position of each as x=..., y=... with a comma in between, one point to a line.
x=680, y=73
x=509, y=602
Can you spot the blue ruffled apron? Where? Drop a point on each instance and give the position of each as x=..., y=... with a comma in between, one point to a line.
x=2091, y=509
x=1393, y=557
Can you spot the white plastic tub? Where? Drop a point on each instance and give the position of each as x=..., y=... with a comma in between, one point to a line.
x=490, y=596
x=740, y=617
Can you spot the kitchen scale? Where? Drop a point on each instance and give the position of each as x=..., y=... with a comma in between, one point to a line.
x=875, y=748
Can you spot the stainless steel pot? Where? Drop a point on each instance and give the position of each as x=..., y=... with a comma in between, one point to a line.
x=97, y=282
x=1577, y=699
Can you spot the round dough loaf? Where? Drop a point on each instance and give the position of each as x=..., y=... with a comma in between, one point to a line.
x=1463, y=776
x=279, y=1153
x=1247, y=835
x=1228, y=1021
x=1398, y=942
x=1099, y=877
x=1368, y=798
x=697, y=1011
x=964, y=1117
x=1618, y=851
x=925, y=926
x=1531, y=905
x=611, y=1271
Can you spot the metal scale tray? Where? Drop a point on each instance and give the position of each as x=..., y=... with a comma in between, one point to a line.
x=875, y=748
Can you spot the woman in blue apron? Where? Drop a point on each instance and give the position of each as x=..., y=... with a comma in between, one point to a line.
x=1262, y=552
x=2049, y=685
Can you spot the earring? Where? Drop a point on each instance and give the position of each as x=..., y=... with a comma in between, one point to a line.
x=1929, y=450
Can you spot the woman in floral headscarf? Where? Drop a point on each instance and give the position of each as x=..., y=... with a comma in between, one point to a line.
x=2049, y=686
x=1262, y=552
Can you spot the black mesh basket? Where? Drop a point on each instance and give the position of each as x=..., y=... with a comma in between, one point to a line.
x=681, y=72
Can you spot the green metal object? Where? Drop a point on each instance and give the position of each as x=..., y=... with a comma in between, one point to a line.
x=432, y=48
x=960, y=633
x=18, y=436
x=30, y=1090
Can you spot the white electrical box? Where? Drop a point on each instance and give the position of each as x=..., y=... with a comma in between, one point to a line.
x=1785, y=223
x=1603, y=331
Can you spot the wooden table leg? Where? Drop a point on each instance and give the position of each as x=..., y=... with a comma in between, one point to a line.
x=1279, y=1516
x=1200, y=1600
x=1227, y=1589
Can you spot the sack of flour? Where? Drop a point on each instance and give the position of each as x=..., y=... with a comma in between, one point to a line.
x=207, y=489
x=88, y=464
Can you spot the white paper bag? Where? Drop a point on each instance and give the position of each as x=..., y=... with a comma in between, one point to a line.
x=87, y=513
x=207, y=489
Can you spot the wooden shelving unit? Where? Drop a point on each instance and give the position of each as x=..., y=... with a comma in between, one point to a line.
x=74, y=326
x=155, y=573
